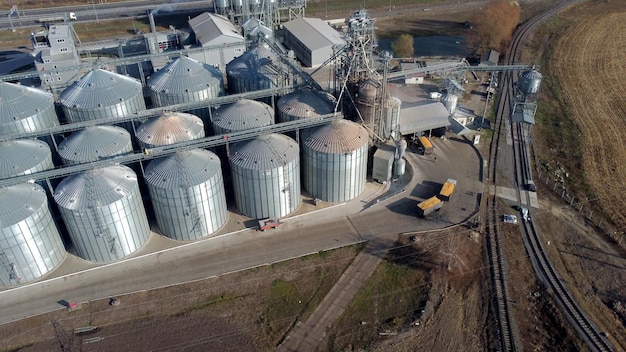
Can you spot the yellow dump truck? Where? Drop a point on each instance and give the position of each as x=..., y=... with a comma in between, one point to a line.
x=425, y=146
x=428, y=206
x=447, y=189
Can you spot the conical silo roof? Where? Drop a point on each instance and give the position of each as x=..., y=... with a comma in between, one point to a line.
x=94, y=143
x=99, y=88
x=241, y=115
x=19, y=202
x=265, y=152
x=170, y=128
x=183, y=75
x=258, y=60
x=23, y=157
x=306, y=103
x=95, y=188
x=183, y=169
x=337, y=137
x=19, y=103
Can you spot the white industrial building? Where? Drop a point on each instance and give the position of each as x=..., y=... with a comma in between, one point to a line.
x=216, y=31
x=312, y=40
x=421, y=118
x=56, y=58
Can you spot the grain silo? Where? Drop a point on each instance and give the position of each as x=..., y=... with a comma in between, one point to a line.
x=103, y=212
x=303, y=104
x=102, y=94
x=450, y=101
x=257, y=69
x=30, y=244
x=266, y=176
x=95, y=143
x=187, y=192
x=529, y=82
x=241, y=115
x=185, y=80
x=335, y=161
x=24, y=157
x=25, y=109
x=169, y=128
x=367, y=103
x=393, y=119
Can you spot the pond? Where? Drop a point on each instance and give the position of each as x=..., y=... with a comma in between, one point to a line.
x=439, y=45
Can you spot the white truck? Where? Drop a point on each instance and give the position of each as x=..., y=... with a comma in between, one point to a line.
x=70, y=16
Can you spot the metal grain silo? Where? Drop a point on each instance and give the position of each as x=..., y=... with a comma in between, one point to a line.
x=266, y=176
x=368, y=103
x=257, y=69
x=30, y=245
x=450, y=102
x=241, y=115
x=24, y=157
x=530, y=81
x=103, y=212
x=335, y=161
x=95, y=143
x=393, y=119
x=187, y=192
x=303, y=104
x=185, y=80
x=169, y=128
x=102, y=94
x=25, y=109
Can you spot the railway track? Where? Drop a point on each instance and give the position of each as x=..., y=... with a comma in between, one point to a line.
x=508, y=335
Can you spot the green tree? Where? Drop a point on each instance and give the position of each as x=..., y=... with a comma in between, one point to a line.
x=403, y=46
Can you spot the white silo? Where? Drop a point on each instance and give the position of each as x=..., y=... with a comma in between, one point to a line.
x=266, y=176
x=303, y=104
x=257, y=69
x=24, y=157
x=30, y=244
x=169, y=128
x=102, y=94
x=187, y=192
x=393, y=119
x=185, y=80
x=103, y=213
x=241, y=115
x=335, y=161
x=450, y=101
x=95, y=143
x=25, y=109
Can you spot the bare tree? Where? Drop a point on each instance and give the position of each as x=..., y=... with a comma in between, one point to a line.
x=403, y=46
x=493, y=26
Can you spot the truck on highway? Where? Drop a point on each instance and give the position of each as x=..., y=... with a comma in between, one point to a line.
x=447, y=189
x=429, y=205
x=70, y=16
x=424, y=145
x=268, y=223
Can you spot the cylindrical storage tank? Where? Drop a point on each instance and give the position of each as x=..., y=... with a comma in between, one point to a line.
x=25, y=109
x=237, y=3
x=303, y=104
x=530, y=81
x=24, y=157
x=102, y=94
x=221, y=4
x=393, y=118
x=399, y=167
x=185, y=80
x=187, y=192
x=30, y=244
x=450, y=101
x=335, y=161
x=266, y=176
x=256, y=69
x=401, y=146
x=169, y=128
x=95, y=143
x=241, y=115
x=367, y=102
x=103, y=213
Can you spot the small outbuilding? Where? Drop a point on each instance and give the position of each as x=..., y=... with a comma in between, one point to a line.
x=490, y=58
x=312, y=40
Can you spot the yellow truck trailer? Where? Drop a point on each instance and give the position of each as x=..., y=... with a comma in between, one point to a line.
x=428, y=206
x=447, y=189
x=425, y=145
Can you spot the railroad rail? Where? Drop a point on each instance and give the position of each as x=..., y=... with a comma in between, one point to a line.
x=541, y=263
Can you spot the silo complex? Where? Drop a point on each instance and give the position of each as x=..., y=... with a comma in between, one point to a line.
x=257, y=69
x=24, y=157
x=25, y=109
x=335, y=161
x=266, y=176
x=241, y=115
x=30, y=245
x=187, y=192
x=303, y=104
x=102, y=94
x=185, y=80
x=169, y=128
x=95, y=143
x=103, y=213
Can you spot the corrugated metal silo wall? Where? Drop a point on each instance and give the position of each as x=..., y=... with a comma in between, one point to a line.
x=161, y=99
x=334, y=177
x=243, y=83
x=126, y=107
x=173, y=213
x=124, y=220
x=43, y=119
x=267, y=193
x=33, y=246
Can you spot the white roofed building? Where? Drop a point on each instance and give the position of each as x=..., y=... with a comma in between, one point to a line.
x=216, y=32
x=312, y=40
